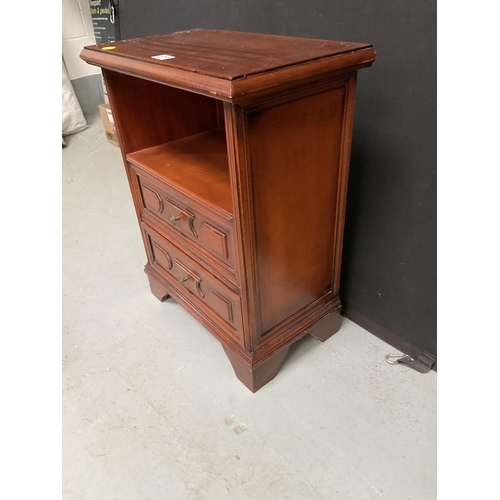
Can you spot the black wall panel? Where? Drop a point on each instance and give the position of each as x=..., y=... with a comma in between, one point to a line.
x=389, y=272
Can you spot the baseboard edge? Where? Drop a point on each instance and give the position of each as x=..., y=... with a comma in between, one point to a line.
x=386, y=335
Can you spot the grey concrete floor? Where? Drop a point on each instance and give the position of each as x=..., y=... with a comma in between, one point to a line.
x=152, y=409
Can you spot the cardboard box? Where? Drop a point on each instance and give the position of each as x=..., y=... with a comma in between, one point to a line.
x=109, y=124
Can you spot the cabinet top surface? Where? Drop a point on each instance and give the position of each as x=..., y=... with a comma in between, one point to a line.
x=228, y=55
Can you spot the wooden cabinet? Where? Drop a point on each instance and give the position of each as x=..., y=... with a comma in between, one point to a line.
x=236, y=147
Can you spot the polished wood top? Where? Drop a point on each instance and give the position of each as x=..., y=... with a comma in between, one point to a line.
x=230, y=65
x=228, y=55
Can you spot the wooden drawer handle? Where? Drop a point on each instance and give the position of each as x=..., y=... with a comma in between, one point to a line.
x=184, y=214
x=183, y=280
x=173, y=220
x=190, y=275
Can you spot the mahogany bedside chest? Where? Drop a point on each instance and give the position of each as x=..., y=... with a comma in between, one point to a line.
x=236, y=147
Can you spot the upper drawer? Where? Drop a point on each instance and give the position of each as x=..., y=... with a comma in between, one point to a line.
x=211, y=232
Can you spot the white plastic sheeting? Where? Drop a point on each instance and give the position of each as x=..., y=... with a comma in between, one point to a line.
x=72, y=116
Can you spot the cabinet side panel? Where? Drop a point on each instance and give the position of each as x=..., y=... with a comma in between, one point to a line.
x=295, y=151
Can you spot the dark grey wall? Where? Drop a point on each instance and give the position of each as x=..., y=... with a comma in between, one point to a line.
x=89, y=92
x=389, y=271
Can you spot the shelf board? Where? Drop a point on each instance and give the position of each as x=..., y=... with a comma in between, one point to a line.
x=196, y=165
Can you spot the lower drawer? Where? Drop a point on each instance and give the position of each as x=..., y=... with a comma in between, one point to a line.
x=195, y=283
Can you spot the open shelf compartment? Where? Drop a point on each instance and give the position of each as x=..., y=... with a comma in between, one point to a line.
x=196, y=165
x=174, y=135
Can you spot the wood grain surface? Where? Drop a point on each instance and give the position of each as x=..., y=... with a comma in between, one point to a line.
x=196, y=165
x=227, y=55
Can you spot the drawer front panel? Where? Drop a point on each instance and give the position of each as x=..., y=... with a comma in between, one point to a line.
x=211, y=235
x=195, y=283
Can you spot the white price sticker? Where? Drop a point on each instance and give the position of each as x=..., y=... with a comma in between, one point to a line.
x=110, y=115
x=163, y=57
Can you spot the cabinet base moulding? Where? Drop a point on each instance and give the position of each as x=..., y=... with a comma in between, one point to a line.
x=256, y=376
x=157, y=289
x=327, y=327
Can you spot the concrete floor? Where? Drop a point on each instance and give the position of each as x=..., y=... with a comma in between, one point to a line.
x=152, y=409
